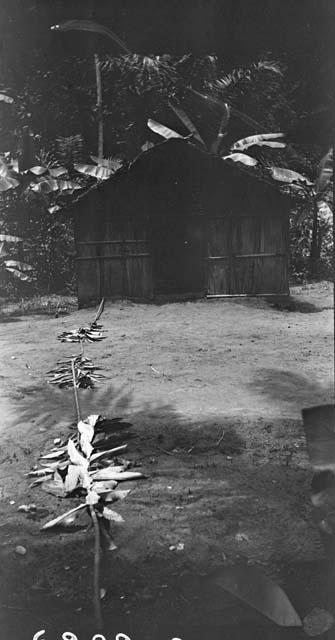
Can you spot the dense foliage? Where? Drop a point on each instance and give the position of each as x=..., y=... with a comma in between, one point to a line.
x=50, y=82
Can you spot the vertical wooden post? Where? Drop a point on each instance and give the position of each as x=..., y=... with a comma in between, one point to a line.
x=99, y=107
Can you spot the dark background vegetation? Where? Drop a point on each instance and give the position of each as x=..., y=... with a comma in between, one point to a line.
x=51, y=76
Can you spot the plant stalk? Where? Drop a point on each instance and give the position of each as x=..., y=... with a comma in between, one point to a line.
x=96, y=575
x=99, y=107
x=75, y=390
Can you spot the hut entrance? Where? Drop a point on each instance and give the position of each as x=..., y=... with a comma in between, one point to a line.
x=176, y=248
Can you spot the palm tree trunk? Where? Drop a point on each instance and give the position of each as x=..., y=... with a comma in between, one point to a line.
x=99, y=107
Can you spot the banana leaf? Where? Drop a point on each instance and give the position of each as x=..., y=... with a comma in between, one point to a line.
x=162, y=130
x=261, y=140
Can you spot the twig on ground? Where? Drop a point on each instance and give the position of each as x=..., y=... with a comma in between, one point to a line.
x=221, y=438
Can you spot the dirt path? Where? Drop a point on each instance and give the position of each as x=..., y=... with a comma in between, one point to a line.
x=214, y=391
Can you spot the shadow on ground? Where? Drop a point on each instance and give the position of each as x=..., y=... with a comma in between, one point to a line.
x=291, y=387
x=230, y=490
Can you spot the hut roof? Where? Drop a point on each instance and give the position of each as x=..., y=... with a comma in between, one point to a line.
x=176, y=170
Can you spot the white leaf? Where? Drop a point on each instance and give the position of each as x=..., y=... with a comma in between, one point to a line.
x=56, y=172
x=325, y=211
x=72, y=477
x=92, y=419
x=5, y=98
x=109, y=474
x=53, y=455
x=100, y=454
x=6, y=238
x=38, y=171
x=104, y=486
x=261, y=139
x=98, y=172
x=56, y=521
x=55, y=486
x=75, y=456
x=289, y=176
x=54, y=208
x=112, y=515
x=241, y=157
x=92, y=497
x=162, y=130
x=86, y=431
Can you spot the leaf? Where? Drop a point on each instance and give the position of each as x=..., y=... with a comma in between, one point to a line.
x=93, y=27
x=3, y=250
x=317, y=622
x=51, y=185
x=215, y=147
x=105, y=486
x=243, y=158
x=108, y=514
x=19, y=265
x=72, y=478
x=5, y=98
x=56, y=172
x=6, y=238
x=147, y=145
x=55, y=486
x=75, y=456
x=162, y=130
x=86, y=431
x=53, y=455
x=261, y=139
x=187, y=122
x=8, y=183
x=110, y=163
x=108, y=452
x=38, y=171
x=58, y=520
x=257, y=590
x=109, y=474
x=98, y=172
x=92, y=419
x=325, y=211
x=92, y=497
x=40, y=472
x=19, y=274
x=99, y=311
x=325, y=171
x=289, y=176
x=54, y=208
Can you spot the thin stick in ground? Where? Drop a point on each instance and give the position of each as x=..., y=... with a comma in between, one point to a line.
x=96, y=579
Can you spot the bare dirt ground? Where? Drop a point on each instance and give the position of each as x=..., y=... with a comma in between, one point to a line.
x=214, y=391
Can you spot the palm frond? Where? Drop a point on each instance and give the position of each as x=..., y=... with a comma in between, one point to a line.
x=93, y=27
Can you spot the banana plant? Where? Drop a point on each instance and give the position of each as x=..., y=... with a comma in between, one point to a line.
x=16, y=268
x=316, y=194
x=236, y=152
